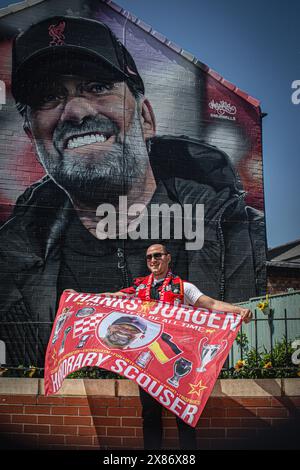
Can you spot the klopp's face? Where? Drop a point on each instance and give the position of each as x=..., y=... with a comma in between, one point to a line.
x=122, y=335
x=89, y=136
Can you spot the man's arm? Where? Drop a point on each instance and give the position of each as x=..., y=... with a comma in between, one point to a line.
x=205, y=301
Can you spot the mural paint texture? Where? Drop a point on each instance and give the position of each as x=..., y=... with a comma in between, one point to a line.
x=111, y=140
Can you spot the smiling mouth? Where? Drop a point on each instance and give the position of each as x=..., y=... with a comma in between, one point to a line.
x=118, y=338
x=86, y=139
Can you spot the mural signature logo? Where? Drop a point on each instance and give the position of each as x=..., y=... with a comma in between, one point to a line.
x=56, y=32
x=222, y=107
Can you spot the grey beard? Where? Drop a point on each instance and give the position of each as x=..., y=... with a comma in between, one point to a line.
x=92, y=183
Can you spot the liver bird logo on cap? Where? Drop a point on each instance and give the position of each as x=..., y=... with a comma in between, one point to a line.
x=56, y=32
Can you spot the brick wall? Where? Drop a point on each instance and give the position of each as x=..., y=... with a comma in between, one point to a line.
x=282, y=279
x=106, y=414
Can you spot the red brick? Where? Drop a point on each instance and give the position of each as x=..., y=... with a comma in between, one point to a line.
x=42, y=400
x=106, y=421
x=203, y=422
x=279, y=402
x=214, y=412
x=221, y=402
x=203, y=444
x=220, y=444
x=86, y=411
x=66, y=430
x=18, y=399
x=65, y=410
x=111, y=442
x=120, y=431
x=36, y=429
x=241, y=412
x=6, y=418
x=79, y=440
x=9, y=427
x=24, y=419
x=211, y=432
x=101, y=430
x=133, y=443
x=170, y=443
x=87, y=431
x=37, y=410
x=96, y=441
x=168, y=433
x=50, y=419
x=225, y=422
x=11, y=409
x=17, y=439
x=131, y=422
x=272, y=412
x=293, y=400
x=255, y=423
x=79, y=401
x=131, y=401
x=121, y=412
x=42, y=439
x=255, y=401
x=83, y=420
x=169, y=420
x=241, y=433
x=96, y=402
x=280, y=422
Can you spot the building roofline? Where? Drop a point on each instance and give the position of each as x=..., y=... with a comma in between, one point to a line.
x=285, y=245
x=187, y=55
x=160, y=37
x=16, y=7
x=283, y=264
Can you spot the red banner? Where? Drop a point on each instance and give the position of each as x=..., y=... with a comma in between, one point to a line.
x=175, y=353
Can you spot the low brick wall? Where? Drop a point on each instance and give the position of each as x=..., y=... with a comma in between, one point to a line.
x=106, y=414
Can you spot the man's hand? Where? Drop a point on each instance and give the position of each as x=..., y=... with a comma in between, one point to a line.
x=246, y=314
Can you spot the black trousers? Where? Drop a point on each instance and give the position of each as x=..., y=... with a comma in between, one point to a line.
x=152, y=425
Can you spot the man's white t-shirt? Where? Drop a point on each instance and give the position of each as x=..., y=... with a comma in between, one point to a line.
x=191, y=292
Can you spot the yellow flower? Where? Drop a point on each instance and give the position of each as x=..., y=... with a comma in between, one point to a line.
x=298, y=373
x=263, y=304
x=240, y=364
x=268, y=365
x=31, y=371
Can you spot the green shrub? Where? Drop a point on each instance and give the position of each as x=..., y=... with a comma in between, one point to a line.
x=262, y=363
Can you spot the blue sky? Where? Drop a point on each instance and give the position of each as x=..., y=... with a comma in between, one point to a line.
x=256, y=46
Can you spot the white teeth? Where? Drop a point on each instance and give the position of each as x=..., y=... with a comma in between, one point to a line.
x=85, y=140
x=100, y=138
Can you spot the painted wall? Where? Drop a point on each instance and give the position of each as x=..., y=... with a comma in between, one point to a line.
x=206, y=152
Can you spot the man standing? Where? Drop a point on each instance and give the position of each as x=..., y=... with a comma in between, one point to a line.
x=163, y=285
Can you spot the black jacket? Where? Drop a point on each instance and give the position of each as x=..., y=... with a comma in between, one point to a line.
x=230, y=266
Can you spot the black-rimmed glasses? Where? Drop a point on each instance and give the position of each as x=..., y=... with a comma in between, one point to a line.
x=155, y=256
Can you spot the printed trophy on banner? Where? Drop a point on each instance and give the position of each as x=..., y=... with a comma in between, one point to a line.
x=182, y=367
x=208, y=352
x=66, y=332
x=60, y=323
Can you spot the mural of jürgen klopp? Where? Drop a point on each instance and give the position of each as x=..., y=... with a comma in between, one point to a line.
x=93, y=131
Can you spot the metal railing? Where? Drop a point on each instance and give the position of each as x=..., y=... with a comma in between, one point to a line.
x=263, y=348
